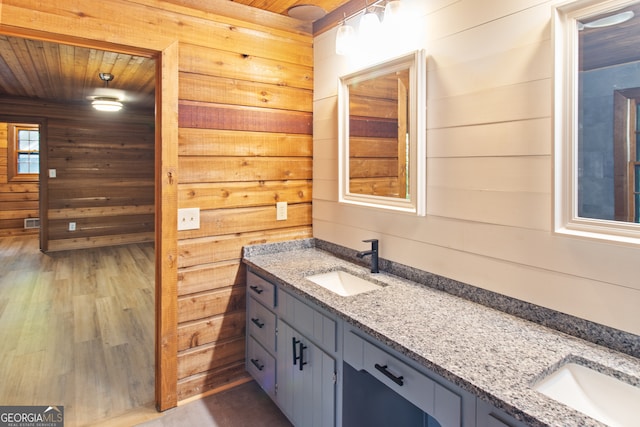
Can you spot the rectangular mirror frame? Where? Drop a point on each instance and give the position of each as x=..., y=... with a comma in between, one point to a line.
x=416, y=202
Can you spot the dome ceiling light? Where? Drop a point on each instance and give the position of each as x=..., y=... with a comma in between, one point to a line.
x=607, y=21
x=104, y=102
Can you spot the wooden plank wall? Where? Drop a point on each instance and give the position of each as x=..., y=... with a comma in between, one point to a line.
x=105, y=174
x=18, y=200
x=245, y=142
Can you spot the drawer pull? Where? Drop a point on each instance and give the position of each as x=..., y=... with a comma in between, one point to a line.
x=257, y=322
x=398, y=380
x=257, y=364
x=256, y=289
x=295, y=342
x=302, y=349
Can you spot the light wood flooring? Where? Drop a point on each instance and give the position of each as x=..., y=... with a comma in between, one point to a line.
x=77, y=329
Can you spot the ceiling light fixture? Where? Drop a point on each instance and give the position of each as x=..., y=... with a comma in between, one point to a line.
x=607, y=21
x=106, y=103
x=345, y=39
x=306, y=12
x=370, y=26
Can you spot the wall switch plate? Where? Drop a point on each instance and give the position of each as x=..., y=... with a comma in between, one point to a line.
x=281, y=211
x=72, y=226
x=188, y=219
x=52, y=173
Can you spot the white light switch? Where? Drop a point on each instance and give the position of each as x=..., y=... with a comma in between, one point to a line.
x=188, y=219
x=52, y=173
x=281, y=211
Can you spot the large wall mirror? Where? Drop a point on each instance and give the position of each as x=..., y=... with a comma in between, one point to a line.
x=598, y=118
x=382, y=136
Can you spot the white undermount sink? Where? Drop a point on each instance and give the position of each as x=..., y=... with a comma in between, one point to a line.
x=343, y=283
x=605, y=398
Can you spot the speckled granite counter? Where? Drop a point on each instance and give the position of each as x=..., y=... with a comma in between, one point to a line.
x=494, y=355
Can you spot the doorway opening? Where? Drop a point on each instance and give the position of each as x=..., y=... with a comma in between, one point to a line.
x=162, y=130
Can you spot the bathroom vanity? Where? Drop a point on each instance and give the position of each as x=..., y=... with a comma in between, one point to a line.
x=398, y=354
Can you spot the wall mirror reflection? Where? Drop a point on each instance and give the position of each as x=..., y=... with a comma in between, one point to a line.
x=597, y=94
x=382, y=135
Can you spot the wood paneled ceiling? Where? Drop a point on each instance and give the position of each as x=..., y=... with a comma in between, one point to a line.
x=69, y=74
x=609, y=46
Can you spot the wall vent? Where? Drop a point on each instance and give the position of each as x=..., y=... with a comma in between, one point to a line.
x=32, y=223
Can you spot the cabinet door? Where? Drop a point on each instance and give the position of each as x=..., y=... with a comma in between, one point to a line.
x=305, y=380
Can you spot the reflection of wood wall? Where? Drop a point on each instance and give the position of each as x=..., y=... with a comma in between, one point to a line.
x=373, y=138
x=18, y=200
x=105, y=174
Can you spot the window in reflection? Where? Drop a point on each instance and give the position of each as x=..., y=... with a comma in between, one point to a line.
x=597, y=123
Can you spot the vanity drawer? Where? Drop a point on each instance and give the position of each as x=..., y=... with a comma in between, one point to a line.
x=433, y=398
x=262, y=290
x=261, y=323
x=262, y=366
x=400, y=377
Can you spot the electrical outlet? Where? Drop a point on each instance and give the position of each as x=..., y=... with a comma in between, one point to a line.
x=188, y=219
x=72, y=226
x=281, y=211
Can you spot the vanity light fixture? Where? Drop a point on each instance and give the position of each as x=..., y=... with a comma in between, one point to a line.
x=106, y=103
x=345, y=39
x=370, y=27
x=393, y=13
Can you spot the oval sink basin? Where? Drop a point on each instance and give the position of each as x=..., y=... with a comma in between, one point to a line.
x=607, y=399
x=343, y=283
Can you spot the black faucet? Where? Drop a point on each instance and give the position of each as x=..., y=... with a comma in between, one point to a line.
x=374, y=254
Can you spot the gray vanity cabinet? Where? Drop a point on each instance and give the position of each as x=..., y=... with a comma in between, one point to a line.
x=306, y=374
x=445, y=403
x=306, y=362
x=317, y=369
x=261, y=333
x=291, y=353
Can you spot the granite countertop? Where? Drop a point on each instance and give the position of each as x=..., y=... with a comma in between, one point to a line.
x=493, y=355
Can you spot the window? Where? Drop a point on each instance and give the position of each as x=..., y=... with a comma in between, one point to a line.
x=597, y=89
x=24, y=152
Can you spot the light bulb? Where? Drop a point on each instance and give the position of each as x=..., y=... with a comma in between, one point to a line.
x=345, y=39
x=393, y=13
x=369, y=27
x=106, y=104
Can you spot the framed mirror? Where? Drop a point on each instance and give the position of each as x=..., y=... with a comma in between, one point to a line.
x=597, y=110
x=382, y=135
